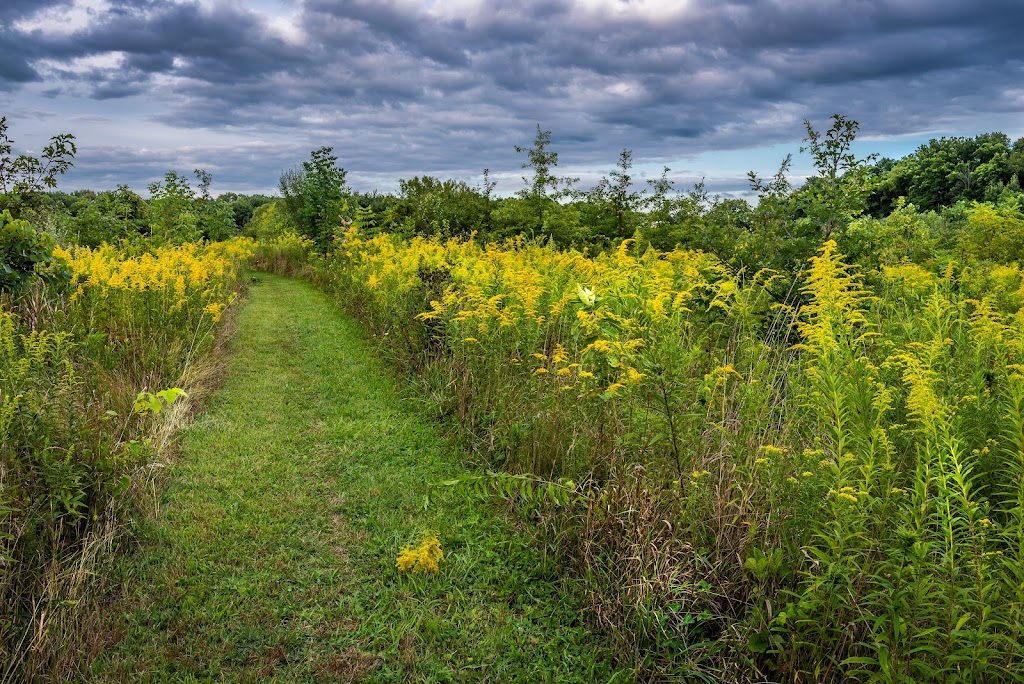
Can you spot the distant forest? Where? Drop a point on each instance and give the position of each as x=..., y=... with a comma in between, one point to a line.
x=944, y=185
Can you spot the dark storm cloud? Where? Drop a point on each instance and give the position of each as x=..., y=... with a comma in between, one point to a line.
x=214, y=45
x=12, y=10
x=14, y=68
x=17, y=48
x=398, y=87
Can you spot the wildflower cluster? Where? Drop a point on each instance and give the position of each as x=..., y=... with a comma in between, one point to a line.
x=580, y=323
x=423, y=558
x=284, y=254
x=861, y=434
x=181, y=277
x=164, y=301
x=79, y=365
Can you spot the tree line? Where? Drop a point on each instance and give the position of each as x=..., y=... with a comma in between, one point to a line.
x=944, y=187
x=847, y=199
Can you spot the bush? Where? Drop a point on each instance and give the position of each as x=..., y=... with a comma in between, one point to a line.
x=22, y=249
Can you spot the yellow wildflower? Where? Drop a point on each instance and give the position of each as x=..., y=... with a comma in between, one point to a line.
x=633, y=375
x=560, y=354
x=614, y=388
x=601, y=346
x=215, y=309
x=424, y=558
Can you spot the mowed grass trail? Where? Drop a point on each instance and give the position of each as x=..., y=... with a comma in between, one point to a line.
x=273, y=558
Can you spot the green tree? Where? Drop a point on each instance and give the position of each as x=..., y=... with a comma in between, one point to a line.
x=173, y=215
x=488, y=196
x=543, y=189
x=22, y=180
x=22, y=249
x=949, y=170
x=216, y=217
x=659, y=202
x=24, y=177
x=776, y=237
x=316, y=196
x=269, y=220
x=129, y=209
x=840, y=191
x=93, y=218
x=428, y=206
x=243, y=206
x=616, y=201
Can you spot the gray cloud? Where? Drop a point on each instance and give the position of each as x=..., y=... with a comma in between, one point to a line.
x=398, y=88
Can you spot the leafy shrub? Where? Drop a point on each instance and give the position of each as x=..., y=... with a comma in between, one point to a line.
x=22, y=249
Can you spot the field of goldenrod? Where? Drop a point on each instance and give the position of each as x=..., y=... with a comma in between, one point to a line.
x=809, y=478
x=74, y=355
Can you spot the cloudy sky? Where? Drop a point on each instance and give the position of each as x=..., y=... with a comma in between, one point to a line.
x=710, y=88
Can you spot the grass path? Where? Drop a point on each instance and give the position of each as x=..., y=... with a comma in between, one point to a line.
x=273, y=559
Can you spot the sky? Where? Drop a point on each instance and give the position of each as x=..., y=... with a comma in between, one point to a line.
x=399, y=88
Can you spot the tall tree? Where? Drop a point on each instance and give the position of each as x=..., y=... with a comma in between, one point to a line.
x=173, y=215
x=315, y=196
x=488, y=194
x=428, y=206
x=948, y=170
x=216, y=215
x=542, y=189
x=617, y=200
x=840, y=191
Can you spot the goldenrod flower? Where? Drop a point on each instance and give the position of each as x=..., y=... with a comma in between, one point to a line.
x=214, y=309
x=614, y=388
x=423, y=558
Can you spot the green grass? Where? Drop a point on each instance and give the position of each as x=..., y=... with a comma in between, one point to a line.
x=273, y=558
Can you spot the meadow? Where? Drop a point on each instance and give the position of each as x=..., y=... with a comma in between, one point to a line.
x=771, y=442
x=822, y=488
